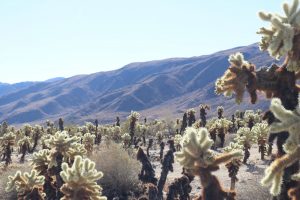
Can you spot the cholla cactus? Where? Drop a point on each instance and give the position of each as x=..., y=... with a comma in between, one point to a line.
x=191, y=118
x=27, y=128
x=88, y=140
x=80, y=180
x=126, y=139
x=246, y=138
x=91, y=127
x=25, y=146
x=36, y=135
x=61, y=145
x=220, y=111
x=4, y=128
x=221, y=126
x=44, y=138
x=234, y=165
x=28, y=186
x=261, y=131
x=203, y=113
x=282, y=37
x=289, y=121
x=6, y=142
x=251, y=118
x=197, y=157
x=159, y=136
x=40, y=161
x=133, y=118
x=177, y=141
x=235, y=78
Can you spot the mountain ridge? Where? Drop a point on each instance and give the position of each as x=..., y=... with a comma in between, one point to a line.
x=154, y=88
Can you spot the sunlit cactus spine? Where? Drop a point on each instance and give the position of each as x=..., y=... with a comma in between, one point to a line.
x=40, y=161
x=222, y=125
x=88, y=141
x=80, y=180
x=261, y=131
x=63, y=149
x=28, y=185
x=177, y=142
x=27, y=128
x=246, y=138
x=133, y=119
x=251, y=118
x=196, y=157
x=7, y=141
x=234, y=165
x=126, y=139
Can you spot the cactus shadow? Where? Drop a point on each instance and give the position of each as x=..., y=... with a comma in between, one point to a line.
x=254, y=169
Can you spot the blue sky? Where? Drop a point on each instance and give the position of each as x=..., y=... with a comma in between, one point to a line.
x=42, y=39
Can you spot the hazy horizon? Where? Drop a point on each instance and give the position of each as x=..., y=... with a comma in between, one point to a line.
x=48, y=39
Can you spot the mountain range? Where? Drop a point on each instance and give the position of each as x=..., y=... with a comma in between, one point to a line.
x=160, y=88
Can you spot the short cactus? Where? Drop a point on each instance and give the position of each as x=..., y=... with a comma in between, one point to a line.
x=80, y=180
x=7, y=141
x=261, y=131
x=246, y=138
x=196, y=157
x=28, y=185
x=88, y=141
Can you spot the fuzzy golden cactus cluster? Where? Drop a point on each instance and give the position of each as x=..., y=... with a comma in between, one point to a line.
x=261, y=131
x=80, y=180
x=28, y=185
x=68, y=147
x=235, y=78
x=245, y=137
x=134, y=115
x=88, y=140
x=8, y=139
x=196, y=152
x=233, y=146
x=282, y=37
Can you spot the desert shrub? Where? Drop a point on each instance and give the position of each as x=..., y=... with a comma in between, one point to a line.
x=120, y=169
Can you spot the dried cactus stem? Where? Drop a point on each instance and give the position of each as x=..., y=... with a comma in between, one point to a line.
x=246, y=154
x=262, y=151
x=147, y=174
x=167, y=166
x=233, y=168
x=7, y=155
x=150, y=144
x=161, y=152
x=212, y=188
